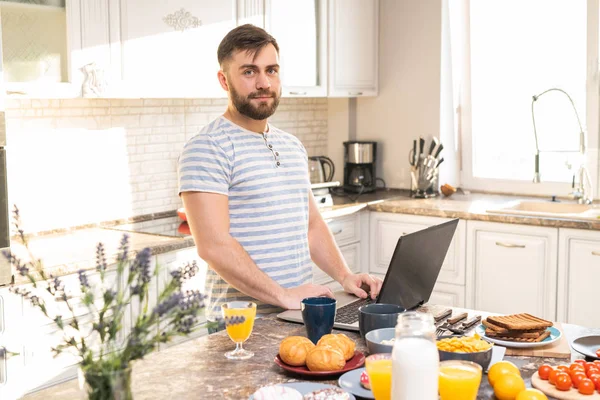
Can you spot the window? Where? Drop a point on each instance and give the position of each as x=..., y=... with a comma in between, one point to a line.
x=503, y=53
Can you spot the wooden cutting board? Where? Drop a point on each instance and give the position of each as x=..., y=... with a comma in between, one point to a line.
x=558, y=349
x=550, y=390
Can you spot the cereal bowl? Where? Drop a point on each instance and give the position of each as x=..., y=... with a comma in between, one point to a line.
x=465, y=348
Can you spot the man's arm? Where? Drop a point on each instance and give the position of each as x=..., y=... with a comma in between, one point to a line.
x=208, y=217
x=325, y=252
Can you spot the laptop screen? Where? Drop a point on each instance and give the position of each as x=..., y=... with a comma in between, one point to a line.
x=416, y=264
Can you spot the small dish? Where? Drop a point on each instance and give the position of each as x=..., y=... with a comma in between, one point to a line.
x=587, y=345
x=355, y=362
x=350, y=382
x=555, y=335
x=375, y=337
x=307, y=387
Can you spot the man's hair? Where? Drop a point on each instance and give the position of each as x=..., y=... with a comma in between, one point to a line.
x=245, y=37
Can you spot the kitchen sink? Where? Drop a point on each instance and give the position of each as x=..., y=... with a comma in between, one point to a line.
x=550, y=209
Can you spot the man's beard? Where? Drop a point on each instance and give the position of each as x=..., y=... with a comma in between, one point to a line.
x=245, y=107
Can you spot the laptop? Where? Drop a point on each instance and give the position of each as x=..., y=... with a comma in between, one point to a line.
x=410, y=278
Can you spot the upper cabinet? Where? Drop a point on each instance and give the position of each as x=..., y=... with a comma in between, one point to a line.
x=353, y=48
x=299, y=27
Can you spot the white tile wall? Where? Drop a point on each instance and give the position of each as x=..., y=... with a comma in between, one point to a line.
x=83, y=161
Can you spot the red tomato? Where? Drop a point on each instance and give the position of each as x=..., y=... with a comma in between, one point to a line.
x=597, y=362
x=563, y=381
x=181, y=213
x=586, y=386
x=588, y=365
x=580, y=361
x=577, y=368
x=552, y=375
x=576, y=377
x=598, y=353
x=544, y=371
x=563, y=368
x=592, y=371
x=596, y=380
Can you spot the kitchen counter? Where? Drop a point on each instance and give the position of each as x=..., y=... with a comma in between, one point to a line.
x=197, y=369
x=68, y=251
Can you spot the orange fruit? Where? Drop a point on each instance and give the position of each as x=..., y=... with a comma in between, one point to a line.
x=501, y=368
x=531, y=394
x=508, y=386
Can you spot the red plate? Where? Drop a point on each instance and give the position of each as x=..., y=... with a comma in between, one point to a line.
x=355, y=362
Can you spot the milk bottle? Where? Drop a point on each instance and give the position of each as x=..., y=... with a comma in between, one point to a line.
x=415, y=358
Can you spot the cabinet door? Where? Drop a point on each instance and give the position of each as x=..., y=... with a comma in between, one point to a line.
x=11, y=365
x=445, y=294
x=299, y=26
x=578, y=277
x=169, y=49
x=513, y=268
x=346, y=229
x=354, y=43
x=386, y=229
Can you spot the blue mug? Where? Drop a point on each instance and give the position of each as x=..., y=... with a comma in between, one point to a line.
x=318, y=314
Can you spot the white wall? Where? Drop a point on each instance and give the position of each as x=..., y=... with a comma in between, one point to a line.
x=408, y=104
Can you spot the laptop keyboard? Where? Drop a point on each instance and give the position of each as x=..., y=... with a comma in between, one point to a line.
x=348, y=314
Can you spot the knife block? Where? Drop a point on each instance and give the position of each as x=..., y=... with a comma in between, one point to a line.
x=431, y=191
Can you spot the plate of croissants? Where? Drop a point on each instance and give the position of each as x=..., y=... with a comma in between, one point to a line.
x=333, y=354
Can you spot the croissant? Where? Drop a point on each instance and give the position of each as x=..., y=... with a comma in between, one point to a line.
x=293, y=350
x=341, y=341
x=325, y=358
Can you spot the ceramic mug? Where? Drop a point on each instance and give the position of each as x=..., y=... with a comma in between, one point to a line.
x=318, y=314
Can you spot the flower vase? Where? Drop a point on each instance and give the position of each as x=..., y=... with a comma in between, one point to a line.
x=105, y=385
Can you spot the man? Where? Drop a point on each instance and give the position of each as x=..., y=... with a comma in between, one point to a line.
x=246, y=192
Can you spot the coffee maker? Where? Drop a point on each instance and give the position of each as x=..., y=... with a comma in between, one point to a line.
x=359, y=166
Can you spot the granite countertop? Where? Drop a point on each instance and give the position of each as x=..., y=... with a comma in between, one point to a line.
x=198, y=369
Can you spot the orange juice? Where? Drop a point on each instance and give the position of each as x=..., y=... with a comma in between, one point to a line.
x=240, y=332
x=459, y=380
x=379, y=369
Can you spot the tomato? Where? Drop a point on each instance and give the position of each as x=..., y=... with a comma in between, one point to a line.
x=563, y=381
x=586, y=386
x=544, y=371
x=588, y=365
x=563, y=368
x=580, y=361
x=552, y=376
x=577, y=377
x=598, y=353
x=592, y=371
x=577, y=367
x=181, y=213
x=596, y=380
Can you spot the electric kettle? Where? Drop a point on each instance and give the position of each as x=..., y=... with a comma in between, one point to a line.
x=316, y=169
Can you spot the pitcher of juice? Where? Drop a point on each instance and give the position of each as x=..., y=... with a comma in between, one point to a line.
x=459, y=380
x=379, y=369
x=239, y=332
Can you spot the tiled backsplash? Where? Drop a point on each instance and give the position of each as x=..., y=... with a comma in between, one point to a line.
x=82, y=161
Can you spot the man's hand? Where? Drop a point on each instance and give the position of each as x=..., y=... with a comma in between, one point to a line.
x=294, y=296
x=352, y=284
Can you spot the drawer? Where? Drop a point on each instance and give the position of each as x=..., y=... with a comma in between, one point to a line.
x=346, y=229
x=351, y=254
x=386, y=229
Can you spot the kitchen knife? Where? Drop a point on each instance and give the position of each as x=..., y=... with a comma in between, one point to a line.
x=444, y=314
x=439, y=150
x=441, y=160
x=414, y=154
x=471, y=321
x=432, y=146
x=458, y=318
x=421, y=146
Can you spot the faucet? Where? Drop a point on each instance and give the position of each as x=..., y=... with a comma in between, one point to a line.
x=584, y=190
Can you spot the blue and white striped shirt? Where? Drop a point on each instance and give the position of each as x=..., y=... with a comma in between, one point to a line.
x=266, y=179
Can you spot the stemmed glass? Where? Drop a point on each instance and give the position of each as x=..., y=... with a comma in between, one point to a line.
x=239, y=332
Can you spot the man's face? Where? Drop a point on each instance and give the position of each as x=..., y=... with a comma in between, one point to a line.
x=253, y=81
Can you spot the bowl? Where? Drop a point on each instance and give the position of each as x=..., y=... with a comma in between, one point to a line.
x=377, y=316
x=482, y=358
x=375, y=337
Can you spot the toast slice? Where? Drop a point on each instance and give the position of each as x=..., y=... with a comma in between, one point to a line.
x=514, y=334
x=521, y=339
x=490, y=326
x=519, y=322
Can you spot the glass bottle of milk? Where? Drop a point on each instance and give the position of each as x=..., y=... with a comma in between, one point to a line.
x=415, y=358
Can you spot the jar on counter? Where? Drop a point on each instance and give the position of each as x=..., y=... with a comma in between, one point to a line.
x=415, y=358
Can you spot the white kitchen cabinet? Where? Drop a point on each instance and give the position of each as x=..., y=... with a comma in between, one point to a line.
x=578, y=277
x=445, y=294
x=512, y=268
x=386, y=229
x=11, y=366
x=300, y=28
x=353, y=48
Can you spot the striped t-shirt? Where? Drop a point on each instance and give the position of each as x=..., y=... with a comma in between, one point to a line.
x=266, y=179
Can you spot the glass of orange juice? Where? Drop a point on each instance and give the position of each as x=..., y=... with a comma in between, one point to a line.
x=459, y=380
x=239, y=332
x=379, y=369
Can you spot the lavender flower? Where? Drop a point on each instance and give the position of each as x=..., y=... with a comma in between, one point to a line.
x=187, y=272
x=100, y=258
x=141, y=264
x=57, y=285
x=169, y=304
x=136, y=290
x=19, y=265
x=124, y=248
x=186, y=324
x=83, y=279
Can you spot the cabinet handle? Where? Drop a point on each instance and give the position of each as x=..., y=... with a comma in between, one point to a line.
x=596, y=253
x=299, y=93
x=511, y=245
x=337, y=232
x=355, y=93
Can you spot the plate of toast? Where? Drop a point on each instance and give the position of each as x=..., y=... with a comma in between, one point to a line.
x=518, y=330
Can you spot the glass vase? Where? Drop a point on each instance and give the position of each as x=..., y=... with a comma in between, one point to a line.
x=109, y=385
